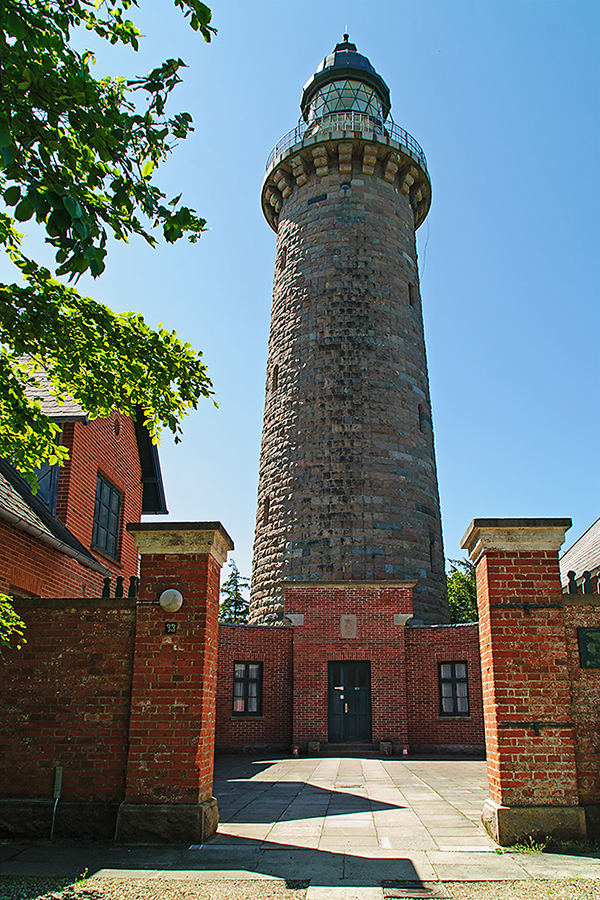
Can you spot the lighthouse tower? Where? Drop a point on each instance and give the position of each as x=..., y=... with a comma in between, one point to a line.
x=348, y=489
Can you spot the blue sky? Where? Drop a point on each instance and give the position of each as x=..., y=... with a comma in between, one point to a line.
x=504, y=99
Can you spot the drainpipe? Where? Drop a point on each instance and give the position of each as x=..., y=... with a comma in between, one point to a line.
x=57, y=792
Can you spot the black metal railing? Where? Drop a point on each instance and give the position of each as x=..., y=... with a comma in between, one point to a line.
x=349, y=121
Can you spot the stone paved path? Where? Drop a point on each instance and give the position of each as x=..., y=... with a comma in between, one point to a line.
x=345, y=825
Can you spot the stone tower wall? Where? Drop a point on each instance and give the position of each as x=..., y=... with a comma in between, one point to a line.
x=348, y=485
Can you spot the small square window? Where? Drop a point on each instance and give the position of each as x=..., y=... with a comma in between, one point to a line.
x=107, y=512
x=247, y=688
x=454, y=692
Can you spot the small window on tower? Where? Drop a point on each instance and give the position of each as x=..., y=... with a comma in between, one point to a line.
x=275, y=378
x=421, y=418
x=412, y=296
x=266, y=506
x=282, y=259
x=431, y=553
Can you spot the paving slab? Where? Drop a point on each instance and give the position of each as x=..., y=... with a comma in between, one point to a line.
x=346, y=825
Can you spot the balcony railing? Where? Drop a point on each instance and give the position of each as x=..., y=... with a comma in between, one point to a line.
x=349, y=121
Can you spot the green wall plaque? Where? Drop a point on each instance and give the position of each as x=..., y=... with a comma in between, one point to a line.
x=589, y=647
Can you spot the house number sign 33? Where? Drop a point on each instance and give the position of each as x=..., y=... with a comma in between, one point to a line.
x=170, y=627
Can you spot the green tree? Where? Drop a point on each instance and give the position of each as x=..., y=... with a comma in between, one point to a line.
x=234, y=606
x=10, y=624
x=78, y=155
x=462, y=591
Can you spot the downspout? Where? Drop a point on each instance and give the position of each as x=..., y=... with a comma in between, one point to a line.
x=57, y=792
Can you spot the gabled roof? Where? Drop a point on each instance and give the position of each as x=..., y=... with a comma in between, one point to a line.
x=153, y=491
x=21, y=508
x=69, y=411
x=583, y=555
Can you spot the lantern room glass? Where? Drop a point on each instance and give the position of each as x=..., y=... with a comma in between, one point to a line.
x=347, y=95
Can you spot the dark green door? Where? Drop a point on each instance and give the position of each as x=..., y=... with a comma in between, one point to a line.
x=349, y=702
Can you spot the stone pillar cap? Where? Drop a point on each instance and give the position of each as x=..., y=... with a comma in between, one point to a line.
x=181, y=537
x=514, y=535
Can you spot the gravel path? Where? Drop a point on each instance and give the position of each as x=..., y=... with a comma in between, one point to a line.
x=161, y=889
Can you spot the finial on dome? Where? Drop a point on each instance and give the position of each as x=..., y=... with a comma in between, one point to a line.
x=346, y=44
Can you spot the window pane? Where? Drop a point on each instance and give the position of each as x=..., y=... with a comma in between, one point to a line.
x=461, y=689
x=461, y=670
x=446, y=670
x=252, y=704
x=254, y=671
x=240, y=670
x=462, y=704
x=238, y=706
x=447, y=704
x=446, y=689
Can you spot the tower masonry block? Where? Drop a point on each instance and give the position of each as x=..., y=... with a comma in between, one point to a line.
x=347, y=485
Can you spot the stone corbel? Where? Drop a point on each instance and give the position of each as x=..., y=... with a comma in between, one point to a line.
x=369, y=159
x=345, y=157
x=416, y=195
x=407, y=179
x=299, y=170
x=274, y=199
x=283, y=182
x=391, y=167
x=320, y=159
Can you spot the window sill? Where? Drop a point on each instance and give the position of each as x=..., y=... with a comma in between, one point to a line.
x=107, y=556
x=246, y=718
x=454, y=718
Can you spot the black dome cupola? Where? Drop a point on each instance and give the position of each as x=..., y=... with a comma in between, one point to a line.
x=345, y=82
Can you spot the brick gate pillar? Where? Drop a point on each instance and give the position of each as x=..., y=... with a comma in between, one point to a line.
x=168, y=793
x=527, y=707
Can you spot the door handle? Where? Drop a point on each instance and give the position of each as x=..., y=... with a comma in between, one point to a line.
x=345, y=707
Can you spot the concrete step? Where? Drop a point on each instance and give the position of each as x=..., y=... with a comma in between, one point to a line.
x=357, y=750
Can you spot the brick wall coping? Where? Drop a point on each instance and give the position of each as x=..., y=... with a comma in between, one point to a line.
x=281, y=626
x=442, y=625
x=349, y=585
x=580, y=599
x=514, y=535
x=174, y=538
x=74, y=602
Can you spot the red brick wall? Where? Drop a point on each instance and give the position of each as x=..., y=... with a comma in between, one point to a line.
x=378, y=640
x=171, y=735
x=425, y=649
x=526, y=678
x=29, y=565
x=273, y=647
x=585, y=696
x=65, y=700
x=96, y=448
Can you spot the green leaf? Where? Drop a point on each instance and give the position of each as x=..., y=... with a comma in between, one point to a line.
x=24, y=210
x=12, y=194
x=148, y=169
x=5, y=133
x=73, y=207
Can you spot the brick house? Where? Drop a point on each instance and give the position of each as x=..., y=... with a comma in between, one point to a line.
x=583, y=556
x=63, y=541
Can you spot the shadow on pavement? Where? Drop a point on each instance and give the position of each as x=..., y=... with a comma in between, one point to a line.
x=244, y=860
